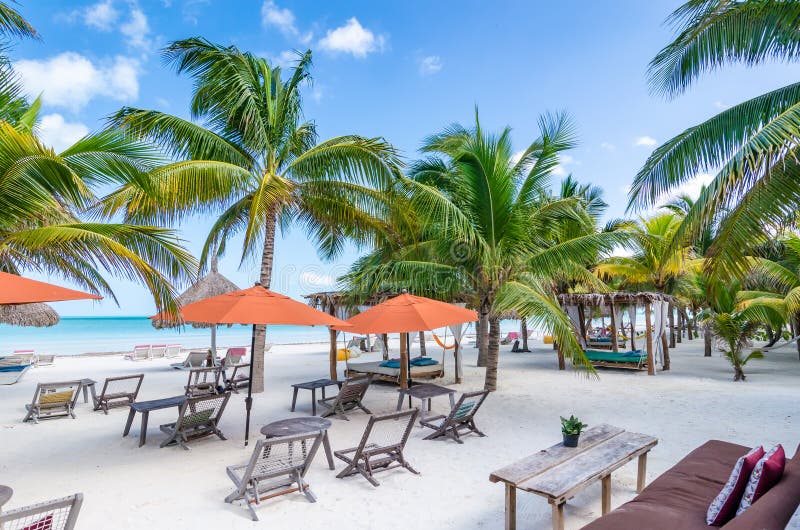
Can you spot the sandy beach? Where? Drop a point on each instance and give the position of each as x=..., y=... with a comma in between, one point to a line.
x=130, y=487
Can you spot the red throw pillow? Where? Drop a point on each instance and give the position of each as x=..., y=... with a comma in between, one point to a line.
x=767, y=473
x=41, y=524
x=723, y=507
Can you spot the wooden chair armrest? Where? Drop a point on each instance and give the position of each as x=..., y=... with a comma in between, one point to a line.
x=428, y=421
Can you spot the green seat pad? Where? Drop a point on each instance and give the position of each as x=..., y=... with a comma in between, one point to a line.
x=615, y=357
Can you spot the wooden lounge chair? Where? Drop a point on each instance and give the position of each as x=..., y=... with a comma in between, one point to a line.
x=141, y=352
x=117, y=392
x=53, y=399
x=173, y=350
x=276, y=467
x=461, y=418
x=239, y=378
x=194, y=359
x=349, y=397
x=203, y=381
x=58, y=514
x=381, y=447
x=197, y=417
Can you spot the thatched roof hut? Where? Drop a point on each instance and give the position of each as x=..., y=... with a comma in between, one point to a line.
x=30, y=315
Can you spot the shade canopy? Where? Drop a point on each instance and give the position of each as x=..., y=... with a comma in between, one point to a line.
x=213, y=284
x=33, y=315
x=18, y=290
x=255, y=305
x=407, y=313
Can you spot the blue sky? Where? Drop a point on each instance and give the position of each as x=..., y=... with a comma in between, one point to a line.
x=401, y=70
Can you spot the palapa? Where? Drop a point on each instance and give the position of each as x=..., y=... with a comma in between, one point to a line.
x=31, y=315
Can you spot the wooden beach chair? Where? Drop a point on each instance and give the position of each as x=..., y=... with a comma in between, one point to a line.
x=53, y=400
x=461, y=418
x=197, y=417
x=141, y=352
x=381, y=447
x=58, y=514
x=239, y=378
x=173, y=350
x=194, y=359
x=203, y=381
x=276, y=467
x=117, y=392
x=158, y=351
x=350, y=396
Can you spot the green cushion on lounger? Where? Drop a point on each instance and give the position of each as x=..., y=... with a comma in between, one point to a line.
x=423, y=361
x=391, y=364
x=615, y=357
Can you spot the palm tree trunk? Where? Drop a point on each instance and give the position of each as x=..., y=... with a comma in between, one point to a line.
x=483, y=335
x=257, y=356
x=796, y=332
x=738, y=373
x=525, y=335
x=707, y=341
x=665, y=348
x=493, y=356
x=775, y=336
x=422, y=349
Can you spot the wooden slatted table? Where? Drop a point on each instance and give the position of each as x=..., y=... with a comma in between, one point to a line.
x=559, y=472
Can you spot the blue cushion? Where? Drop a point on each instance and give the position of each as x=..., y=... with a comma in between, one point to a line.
x=423, y=361
x=390, y=364
x=634, y=353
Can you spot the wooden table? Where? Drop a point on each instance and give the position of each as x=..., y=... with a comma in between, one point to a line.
x=145, y=407
x=295, y=426
x=423, y=392
x=313, y=386
x=5, y=495
x=558, y=473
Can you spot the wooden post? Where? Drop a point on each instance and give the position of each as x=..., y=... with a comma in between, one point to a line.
x=511, y=507
x=633, y=335
x=457, y=359
x=582, y=324
x=561, y=364
x=614, y=342
x=558, y=515
x=642, y=475
x=404, y=360
x=665, y=349
x=332, y=355
x=385, y=339
x=680, y=326
x=671, y=320
x=605, y=483
x=648, y=330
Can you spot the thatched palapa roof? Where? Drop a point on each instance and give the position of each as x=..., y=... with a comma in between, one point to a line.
x=618, y=299
x=35, y=315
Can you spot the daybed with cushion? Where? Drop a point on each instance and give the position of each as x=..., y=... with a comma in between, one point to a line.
x=679, y=499
x=391, y=373
x=633, y=360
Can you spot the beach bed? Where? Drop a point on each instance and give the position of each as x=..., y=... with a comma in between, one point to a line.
x=631, y=360
x=385, y=373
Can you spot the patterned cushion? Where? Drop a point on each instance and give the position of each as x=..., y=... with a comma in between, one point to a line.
x=55, y=397
x=723, y=507
x=41, y=524
x=767, y=473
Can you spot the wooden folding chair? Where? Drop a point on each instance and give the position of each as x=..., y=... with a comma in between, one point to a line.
x=53, y=400
x=350, y=396
x=197, y=417
x=58, y=514
x=117, y=392
x=460, y=418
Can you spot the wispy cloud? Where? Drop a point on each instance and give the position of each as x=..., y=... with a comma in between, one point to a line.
x=284, y=20
x=607, y=146
x=352, y=38
x=562, y=169
x=58, y=133
x=102, y=15
x=137, y=30
x=430, y=65
x=720, y=105
x=646, y=141
x=315, y=279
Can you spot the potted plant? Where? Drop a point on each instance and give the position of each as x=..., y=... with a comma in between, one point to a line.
x=571, y=429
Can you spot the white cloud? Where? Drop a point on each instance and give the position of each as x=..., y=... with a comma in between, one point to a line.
x=137, y=30
x=692, y=187
x=352, y=38
x=101, y=15
x=607, y=146
x=58, y=133
x=561, y=170
x=645, y=141
x=315, y=279
x=430, y=65
x=70, y=80
x=720, y=105
x=284, y=20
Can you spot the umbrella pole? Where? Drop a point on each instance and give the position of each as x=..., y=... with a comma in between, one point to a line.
x=248, y=402
x=214, y=345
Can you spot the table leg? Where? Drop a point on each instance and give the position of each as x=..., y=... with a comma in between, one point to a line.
x=323, y=392
x=422, y=411
x=642, y=475
x=131, y=414
x=558, y=515
x=429, y=404
x=451, y=395
x=294, y=399
x=511, y=507
x=86, y=393
x=326, y=444
x=400, y=401
x=313, y=401
x=143, y=433
x=606, y=495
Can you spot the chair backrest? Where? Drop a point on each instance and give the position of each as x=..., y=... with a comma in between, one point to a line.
x=201, y=410
x=122, y=385
x=158, y=351
x=281, y=456
x=196, y=359
x=234, y=356
x=203, y=381
x=56, y=395
x=27, y=356
x=353, y=389
x=141, y=351
x=58, y=514
x=173, y=350
x=467, y=406
x=387, y=432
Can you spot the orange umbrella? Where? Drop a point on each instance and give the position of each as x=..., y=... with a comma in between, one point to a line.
x=255, y=306
x=408, y=313
x=18, y=290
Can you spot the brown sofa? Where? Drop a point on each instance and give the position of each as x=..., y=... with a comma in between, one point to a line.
x=679, y=499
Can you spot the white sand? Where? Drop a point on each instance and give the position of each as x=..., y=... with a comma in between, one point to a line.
x=130, y=487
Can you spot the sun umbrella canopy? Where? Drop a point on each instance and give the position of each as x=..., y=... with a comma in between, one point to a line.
x=408, y=313
x=29, y=315
x=18, y=290
x=255, y=305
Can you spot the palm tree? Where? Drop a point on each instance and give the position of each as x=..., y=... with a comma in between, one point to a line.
x=754, y=143
x=255, y=159
x=12, y=24
x=486, y=230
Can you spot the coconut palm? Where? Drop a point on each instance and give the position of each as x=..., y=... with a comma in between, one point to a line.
x=254, y=158
x=487, y=224
x=12, y=24
x=753, y=143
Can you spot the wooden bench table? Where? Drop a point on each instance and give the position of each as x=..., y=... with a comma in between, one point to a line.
x=559, y=472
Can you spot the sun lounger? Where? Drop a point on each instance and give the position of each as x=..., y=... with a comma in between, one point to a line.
x=197, y=417
x=381, y=447
x=141, y=352
x=461, y=417
x=12, y=372
x=45, y=360
x=276, y=467
x=58, y=514
x=349, y=397
x=53, y=400
x=511, y=337
x=27, y=356
x=117, y=392
x=203, y=381
x=392, y=375
x=173, y=350
x=636, y=360
x=195, y=359
x=158, y=351
x=239, y=378
x=233, y=357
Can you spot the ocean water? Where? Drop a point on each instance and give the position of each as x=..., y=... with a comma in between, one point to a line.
x=75, y=335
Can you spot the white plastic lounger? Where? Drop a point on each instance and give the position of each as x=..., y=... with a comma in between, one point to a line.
x=195, y=359
x=141, y=352
x=173, y=350
x=12, y=370
x=158, y=351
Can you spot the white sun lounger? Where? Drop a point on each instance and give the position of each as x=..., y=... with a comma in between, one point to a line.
x=141, y=352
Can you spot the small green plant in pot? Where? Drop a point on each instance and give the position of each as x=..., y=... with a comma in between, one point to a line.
x=571, y=429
